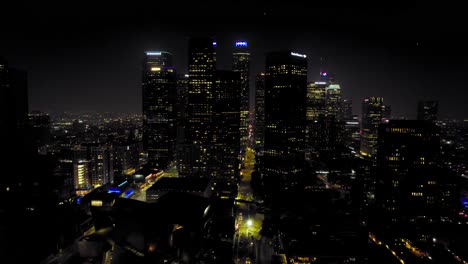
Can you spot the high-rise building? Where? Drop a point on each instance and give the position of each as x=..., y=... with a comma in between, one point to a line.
x=126, y=157
x=81, y=174
x=226, y=133
x=195, y=154
x=412, y=189
x=285, y=117
x=101, y=164
x=324, y=115
x=40, y=129
x=347, y=109
x=371, y=119
x=386, y=113
x=13, y=123
x=241, y=63
x=428, y=110
x=316, y=98
x=259, y=128
x=352, y=127
x=159, y=92
x=333, y=101
x=181, y=104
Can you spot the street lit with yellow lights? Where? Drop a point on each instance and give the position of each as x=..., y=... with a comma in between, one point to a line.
x=248, y=221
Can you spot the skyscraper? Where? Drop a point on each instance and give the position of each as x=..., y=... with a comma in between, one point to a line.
x=13, y=122
x=40, y=129
x=241, y=63
x=195, y=157
x=428, y=110
x=324, y=115
x=333, y=101
x=412, y=189
x=159, y=92
x=347, y=109
x=101, y=164
x=285, y=117
x=226, y=133
x=386, y=113
x=181, y=104
x=371, y=119
x=259, y=128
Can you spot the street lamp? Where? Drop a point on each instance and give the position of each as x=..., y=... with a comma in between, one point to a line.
x=249, y=223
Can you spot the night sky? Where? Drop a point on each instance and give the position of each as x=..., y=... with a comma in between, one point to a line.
x=83, y=56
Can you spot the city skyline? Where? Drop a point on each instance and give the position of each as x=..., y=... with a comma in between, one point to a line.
x=397, y=53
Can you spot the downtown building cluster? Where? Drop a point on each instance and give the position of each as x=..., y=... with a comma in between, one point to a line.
x=328, y=186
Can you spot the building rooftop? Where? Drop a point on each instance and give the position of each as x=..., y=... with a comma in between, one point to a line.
x=181, y=184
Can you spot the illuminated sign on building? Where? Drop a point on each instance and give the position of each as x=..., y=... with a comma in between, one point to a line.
x=155, y=69
x=214, y=43
x=324, y=74
x=241, y=44
x=153, y=53
x=320, y=83
x=96, y=203
x=298, y=55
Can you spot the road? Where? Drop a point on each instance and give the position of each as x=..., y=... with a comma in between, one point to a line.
x=249, y=246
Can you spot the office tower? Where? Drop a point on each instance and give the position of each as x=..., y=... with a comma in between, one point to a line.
x=259, y=128
x=100, y=169
x=241, y=64
x=352, y=127
x=324, y=116
x=316, y=98
x=226, y=133
x=285, y=117
x=428, y=110
x=159, y=92
x=126, y=157
x=181, y=103
x=13, y=123
x=195, y=153
x=347, y=109
x=64, y=172
x=386, y=113
x=333, y=102
x=81, y=174
x=40, y=129
x=371, y=119
x=412, y=189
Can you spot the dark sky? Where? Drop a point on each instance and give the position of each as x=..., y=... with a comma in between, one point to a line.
x=84, y=56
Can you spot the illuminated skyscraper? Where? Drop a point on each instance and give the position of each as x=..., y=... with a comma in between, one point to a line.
x=81, y=174
x=285, y=117
x=324, y=115
x=371, y=119
x=159, y=92
x=259, y=128
x=241, y=63
x=195, y=154
x=428, y=110
x=226, y=133
x=101, y=164
x=316, y=98
x=333, y=101
x=412, y=189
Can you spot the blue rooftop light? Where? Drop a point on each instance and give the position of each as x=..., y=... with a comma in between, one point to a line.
x=241, y=44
